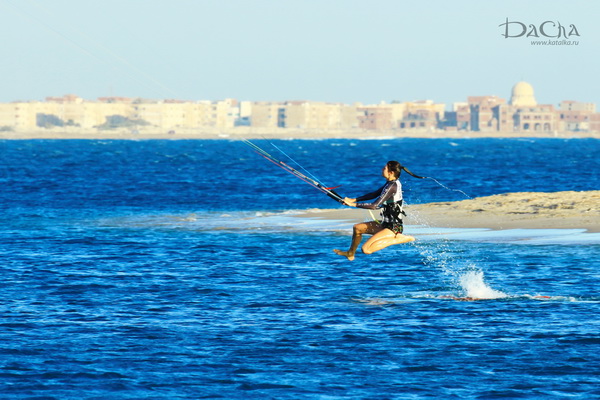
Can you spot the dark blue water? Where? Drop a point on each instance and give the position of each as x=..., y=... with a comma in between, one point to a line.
x=135, y=269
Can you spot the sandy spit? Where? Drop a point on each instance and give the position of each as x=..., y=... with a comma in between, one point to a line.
x=523, y=210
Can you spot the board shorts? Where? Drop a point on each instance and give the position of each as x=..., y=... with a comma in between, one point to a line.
x=396, y=227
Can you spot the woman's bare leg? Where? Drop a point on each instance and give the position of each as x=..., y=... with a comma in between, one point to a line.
x=357, y=232
x=383, y=239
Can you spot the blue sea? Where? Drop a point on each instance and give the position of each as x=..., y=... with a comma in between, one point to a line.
x=176, y=269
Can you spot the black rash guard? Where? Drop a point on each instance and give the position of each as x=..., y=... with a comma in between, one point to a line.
x=389, y=198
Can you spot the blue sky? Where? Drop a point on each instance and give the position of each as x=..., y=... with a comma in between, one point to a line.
x=322, y=50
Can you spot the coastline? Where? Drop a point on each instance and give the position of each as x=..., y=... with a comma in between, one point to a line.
x=521, y=210
x=277, y=133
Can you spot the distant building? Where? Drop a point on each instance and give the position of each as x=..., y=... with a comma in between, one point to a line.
x=302, y=114
x=462, y=117
x=595, y=122
x=521, y=114
x=317, y=115
x=375, y=117
x=527, y=115
x=522, y=95
x=484, y=112
x=265, y=115
x=576, y=117
x=424, y=115
x=541, y=118
x=71, y=110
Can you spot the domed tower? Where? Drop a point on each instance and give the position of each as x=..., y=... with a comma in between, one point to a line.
x=522, y=95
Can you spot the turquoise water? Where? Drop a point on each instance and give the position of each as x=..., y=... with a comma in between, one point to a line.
x=178, y=270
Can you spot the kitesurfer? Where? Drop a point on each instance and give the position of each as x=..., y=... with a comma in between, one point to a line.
x=389, y=230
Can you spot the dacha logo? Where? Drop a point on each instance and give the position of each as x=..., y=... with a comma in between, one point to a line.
x=550, y=29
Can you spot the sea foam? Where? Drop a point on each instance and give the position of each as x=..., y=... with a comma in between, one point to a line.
x=474, y=285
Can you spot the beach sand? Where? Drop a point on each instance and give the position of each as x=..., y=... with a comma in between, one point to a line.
x=524, y=210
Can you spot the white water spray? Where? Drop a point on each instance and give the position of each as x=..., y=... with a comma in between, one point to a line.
x=473, y=284
x=465, y=275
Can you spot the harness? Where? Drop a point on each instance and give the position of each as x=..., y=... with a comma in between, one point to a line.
x=390, y=211
x=393, y=210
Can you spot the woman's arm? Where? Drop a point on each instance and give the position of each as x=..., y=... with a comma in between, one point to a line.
x=352, y=202
x=370, y=196
x=387, y=192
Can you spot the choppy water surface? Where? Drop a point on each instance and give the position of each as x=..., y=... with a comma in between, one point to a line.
x=176, y=269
